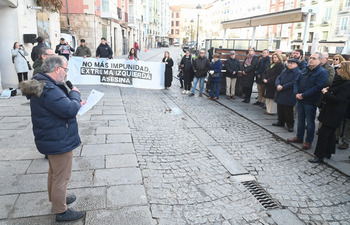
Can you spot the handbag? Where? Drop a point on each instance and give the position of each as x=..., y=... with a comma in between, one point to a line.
x=29, y=66
x=215, y=75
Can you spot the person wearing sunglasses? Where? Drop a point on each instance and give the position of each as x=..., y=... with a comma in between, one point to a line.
x=307, y=90
x=333, y=108
x=337, y=59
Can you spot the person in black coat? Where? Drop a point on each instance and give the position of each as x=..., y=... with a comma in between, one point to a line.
x=187, y=71
x=35, y=52
x=168, y=69
x=249, y=66
x=103, y=50
x=232, y=67
x=284, y=95
x=264, y=62
x=64, y=49
x=332, y=112
x=210, y=53
x=269, y=78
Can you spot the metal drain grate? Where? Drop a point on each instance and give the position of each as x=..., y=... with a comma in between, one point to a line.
x=259, y=193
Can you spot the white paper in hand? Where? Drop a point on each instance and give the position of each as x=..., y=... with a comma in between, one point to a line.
x=93, y=98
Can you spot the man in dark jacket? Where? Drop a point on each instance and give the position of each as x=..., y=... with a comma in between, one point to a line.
x=83, y=50
x=232, y=67
x=330, y=70
x=103, y=50
x=298, y=54
x=43, y=53
x=249, y=66
x=200, y=67
x=307, y=90
x=35, y=52
x=284, y=96
x=262, y=65
x=64, y=49
x=55, y=130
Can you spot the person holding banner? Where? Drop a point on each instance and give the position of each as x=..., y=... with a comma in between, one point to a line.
x=132, y=55
x=103, y=50
x=168, y=69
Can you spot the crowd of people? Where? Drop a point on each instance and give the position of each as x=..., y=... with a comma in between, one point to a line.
x=288, y=85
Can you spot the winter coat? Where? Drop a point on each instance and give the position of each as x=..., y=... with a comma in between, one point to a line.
x=35, y=52
x=335, y=103
x=168, y=71
x=37, y=66
x=330, y=72
x=59, y=52
x=217, y=67
x=200, y=67
x=302, y=65
x=248, y=79
x=263, y=63
x=82, y=51
x=21, y=64
x=270, y=75
x=187, y=66
x=232, y=65
x=104, y=51
x=310, y=84
x=287, y=79
x=53, y=114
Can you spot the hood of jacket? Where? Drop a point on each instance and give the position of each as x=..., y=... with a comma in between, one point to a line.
x=36, y=85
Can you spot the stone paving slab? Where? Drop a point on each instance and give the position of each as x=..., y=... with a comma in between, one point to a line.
x=117, y=176
x=126, y=195
x=113, y=130
x=11, y=168
x=120, y=161
x=7, y=202
x=138, y=215
x=107, y=149
x=118, y=138
x=31, y=204
x=23, y=183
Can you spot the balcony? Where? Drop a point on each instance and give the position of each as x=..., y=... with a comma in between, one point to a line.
x=344, y=9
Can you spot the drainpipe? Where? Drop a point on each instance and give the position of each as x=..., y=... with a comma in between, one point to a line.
x=68, y=17
x=306, y=31
x=224, y=39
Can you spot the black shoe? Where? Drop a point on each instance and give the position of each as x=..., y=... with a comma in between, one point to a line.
x=244, y=101
x=190, y=95
x=264, y=107
x=290, y=129
x=70, y=199
x=328, y=156
x=277, y=125
x=46, y=157
x=316, y=160
x=69, y=215
x=257, y=103
x=200, y=95
x=262, y=104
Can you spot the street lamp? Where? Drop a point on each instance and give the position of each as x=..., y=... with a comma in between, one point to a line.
x=192, y=21
x=198, y=7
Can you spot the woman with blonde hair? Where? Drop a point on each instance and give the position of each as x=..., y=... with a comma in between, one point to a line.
x=337, y=59
x=269, y=78
x=168, y=69
x=333, y=106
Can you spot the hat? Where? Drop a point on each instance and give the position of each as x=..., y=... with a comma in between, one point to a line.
x=39, y=39
x=293, y=60
x=232, y=52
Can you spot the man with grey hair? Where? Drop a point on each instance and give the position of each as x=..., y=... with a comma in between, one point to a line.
x=55, y=129
x=330, y=70
x=44, y=52
x=232, y=67
x=307, y=90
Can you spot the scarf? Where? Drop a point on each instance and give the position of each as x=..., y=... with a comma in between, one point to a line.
x=272, y=65
x=249, y=59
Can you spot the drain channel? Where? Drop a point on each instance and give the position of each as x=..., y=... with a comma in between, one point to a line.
x=263, y=197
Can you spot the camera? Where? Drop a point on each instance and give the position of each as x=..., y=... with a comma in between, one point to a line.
x=20, y=46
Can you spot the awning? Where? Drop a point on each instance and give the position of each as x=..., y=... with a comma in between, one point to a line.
x=287, y=16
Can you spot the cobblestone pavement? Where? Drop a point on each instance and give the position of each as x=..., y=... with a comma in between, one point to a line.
x=185, y=184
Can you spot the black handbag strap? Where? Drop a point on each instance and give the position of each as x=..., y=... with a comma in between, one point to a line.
x=22, y=55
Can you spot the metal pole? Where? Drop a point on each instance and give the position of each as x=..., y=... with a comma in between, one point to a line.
x=68, y=17
x=197, y=32
x=191, y=33
x=253, y=38
x=224, y=39
x=306, y=32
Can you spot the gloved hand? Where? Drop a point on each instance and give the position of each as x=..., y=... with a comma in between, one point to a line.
x=211, y=72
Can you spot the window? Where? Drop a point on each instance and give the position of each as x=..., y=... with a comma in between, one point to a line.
x=328, y=14
x=344, y=23
x=311, y=36
x=299, y=36
x=177, y=23
x=347, y=3
x=172, y=15
x=177, y=31
x=172, y=31
x=172, y=23
x=177, y=15
x=105, y=5
x=324, y=35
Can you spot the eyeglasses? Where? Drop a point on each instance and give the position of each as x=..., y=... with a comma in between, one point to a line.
x=65, y=69
x=202, y=53
x=313, y=58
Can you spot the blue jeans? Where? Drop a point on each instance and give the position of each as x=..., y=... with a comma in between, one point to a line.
x=308, y=112
x=217, y=89
x=201, y=84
